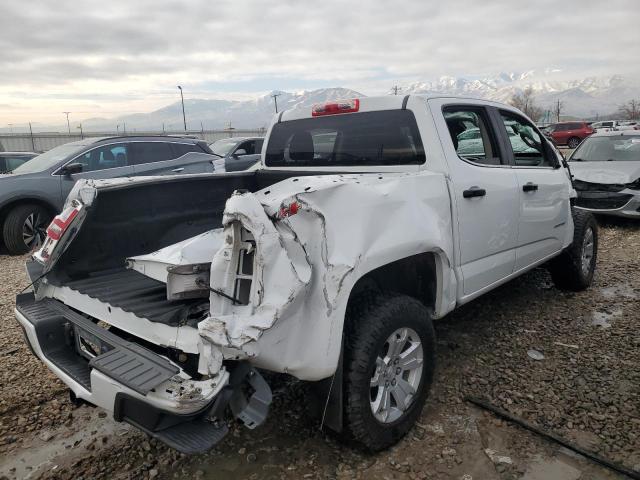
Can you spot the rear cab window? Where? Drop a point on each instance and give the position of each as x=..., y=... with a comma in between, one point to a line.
x=388, y=137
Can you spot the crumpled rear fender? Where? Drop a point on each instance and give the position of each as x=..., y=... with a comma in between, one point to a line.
x=308, y=263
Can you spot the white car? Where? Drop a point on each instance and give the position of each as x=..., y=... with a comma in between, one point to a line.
x=158, y=299
x=606, y=171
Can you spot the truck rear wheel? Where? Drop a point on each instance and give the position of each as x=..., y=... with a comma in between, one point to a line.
x=389, y=365
x=573, y=269
x=25, y=228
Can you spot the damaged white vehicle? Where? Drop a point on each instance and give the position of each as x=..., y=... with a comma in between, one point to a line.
x=162, y=299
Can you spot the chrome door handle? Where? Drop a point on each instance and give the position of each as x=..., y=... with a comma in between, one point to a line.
x=178, y=170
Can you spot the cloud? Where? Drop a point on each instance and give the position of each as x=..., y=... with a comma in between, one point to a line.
x=133, y=54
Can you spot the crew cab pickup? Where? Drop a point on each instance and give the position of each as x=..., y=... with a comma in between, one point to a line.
x=164, y=300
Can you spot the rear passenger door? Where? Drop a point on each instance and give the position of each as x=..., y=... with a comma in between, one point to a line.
x=543, y=191
x=167, y=158
x=484, y=191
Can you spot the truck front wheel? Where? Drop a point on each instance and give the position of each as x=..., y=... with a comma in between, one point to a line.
x=573, y=269
x=389, y=365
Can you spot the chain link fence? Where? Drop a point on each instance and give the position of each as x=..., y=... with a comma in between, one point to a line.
x=41, y=142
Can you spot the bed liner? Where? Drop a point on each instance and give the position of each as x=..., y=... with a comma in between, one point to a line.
x=135, y=293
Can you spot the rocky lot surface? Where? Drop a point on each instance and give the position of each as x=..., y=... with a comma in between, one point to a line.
x=583, y=384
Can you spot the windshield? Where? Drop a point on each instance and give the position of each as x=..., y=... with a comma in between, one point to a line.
x=222, y=147
x=49, y=159
x=388, y=137
x=621, y=148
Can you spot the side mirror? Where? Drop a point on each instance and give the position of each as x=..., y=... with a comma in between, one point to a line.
x=239, y=152
x=72, y=168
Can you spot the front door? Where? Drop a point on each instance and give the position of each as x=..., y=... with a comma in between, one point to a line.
x=543, y=192
x=484, y=190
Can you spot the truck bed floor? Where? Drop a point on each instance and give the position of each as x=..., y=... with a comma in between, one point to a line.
x=136, y=293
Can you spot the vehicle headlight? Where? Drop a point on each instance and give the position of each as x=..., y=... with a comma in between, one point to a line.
x=634, y=185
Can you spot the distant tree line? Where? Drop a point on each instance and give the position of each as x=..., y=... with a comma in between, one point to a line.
x=525, y=102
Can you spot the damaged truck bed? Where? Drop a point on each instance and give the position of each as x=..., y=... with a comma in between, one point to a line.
x=162, y=299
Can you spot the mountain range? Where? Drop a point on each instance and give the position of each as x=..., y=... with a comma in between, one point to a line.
x=587, y=97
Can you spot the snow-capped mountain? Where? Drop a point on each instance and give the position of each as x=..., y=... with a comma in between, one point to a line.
x=217, y=114
x=583, y=97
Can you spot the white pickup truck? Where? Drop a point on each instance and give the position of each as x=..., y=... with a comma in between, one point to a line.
x=162, y=299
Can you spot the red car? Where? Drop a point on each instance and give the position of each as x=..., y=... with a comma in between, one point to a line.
x=569, y=133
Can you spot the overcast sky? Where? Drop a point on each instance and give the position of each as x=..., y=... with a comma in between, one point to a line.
x=107, y=58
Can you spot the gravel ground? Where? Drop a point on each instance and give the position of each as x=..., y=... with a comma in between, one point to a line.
x=586, y=388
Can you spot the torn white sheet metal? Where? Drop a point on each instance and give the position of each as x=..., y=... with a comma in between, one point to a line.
x=280, y=271
x=306, y=264
x=195, y=250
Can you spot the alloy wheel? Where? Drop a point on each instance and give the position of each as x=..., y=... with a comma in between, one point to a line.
x=397, y=375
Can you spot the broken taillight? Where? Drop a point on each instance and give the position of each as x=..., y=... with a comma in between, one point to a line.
x=289, y=210
x=61, y=222
x=333, y=108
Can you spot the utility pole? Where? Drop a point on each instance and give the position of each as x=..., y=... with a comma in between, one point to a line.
x=68, y=125
x=184, y=118
x=124, y=128
x=395, y=89
x=275, y=99
x=163, y=128
x=118, y=128
x=33, y=142
x=201, y=128
x=558, y=110
x=81, y=132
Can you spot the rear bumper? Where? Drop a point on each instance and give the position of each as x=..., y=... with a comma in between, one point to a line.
x=163, y=403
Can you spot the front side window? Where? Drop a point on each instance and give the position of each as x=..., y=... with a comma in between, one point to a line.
x=151, y=152
x=526, y=144
x=382, y=138
x=107, y=156
x=249, y=147
x=472, y=139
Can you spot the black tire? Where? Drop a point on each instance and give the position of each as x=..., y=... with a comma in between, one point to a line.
x=372, y=318
x=567, y=269
x=15, y=226
x=573, y=142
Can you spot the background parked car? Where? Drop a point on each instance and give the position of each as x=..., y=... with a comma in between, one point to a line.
x=237, y=153
x=32, y=194
x=569, y=133
x=629, y=125
x=606, y=171
x=12, y=160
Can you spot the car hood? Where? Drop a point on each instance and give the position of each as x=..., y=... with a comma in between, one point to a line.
x=606, y=172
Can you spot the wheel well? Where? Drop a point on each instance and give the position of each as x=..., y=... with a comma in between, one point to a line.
x=5, y=209
x=414, y=276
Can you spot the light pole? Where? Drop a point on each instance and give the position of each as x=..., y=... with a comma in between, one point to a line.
x=184, y=118
x=68, y=125
x=275, y=99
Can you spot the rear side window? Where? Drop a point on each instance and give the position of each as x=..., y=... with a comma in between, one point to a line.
x=472, y=138
x=180, y=149
x=150, y=152
x=388, y=137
